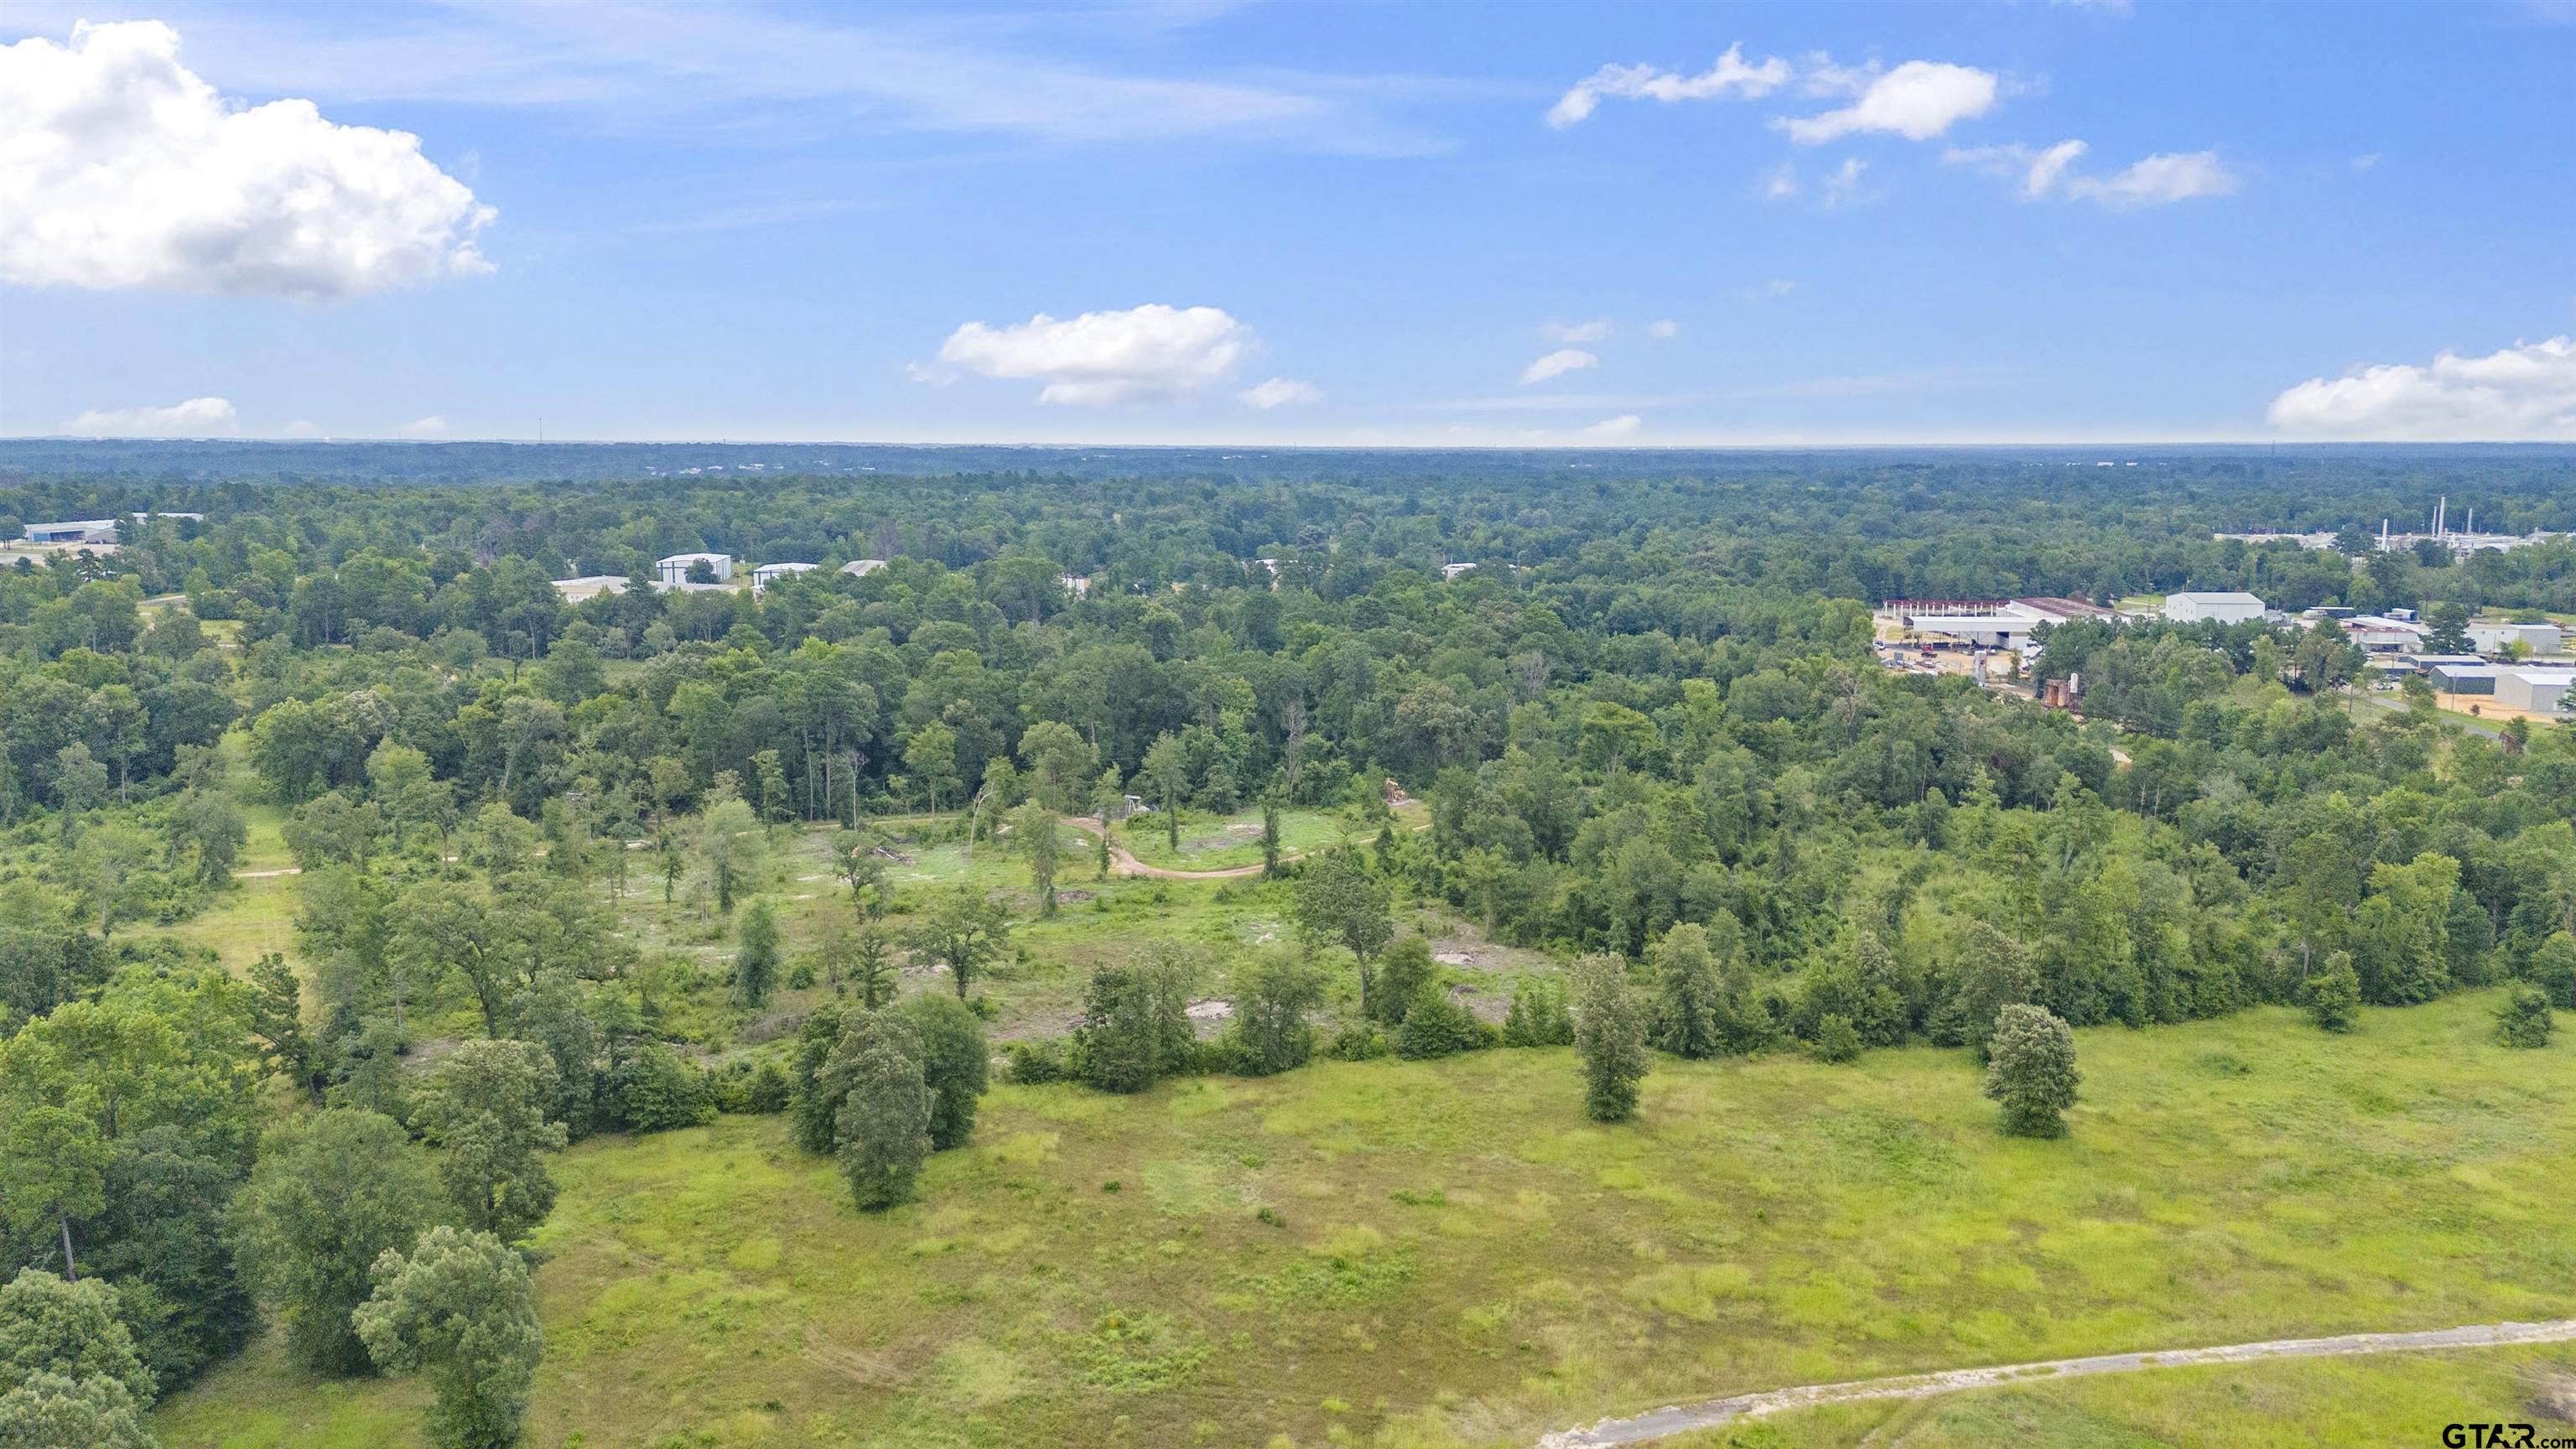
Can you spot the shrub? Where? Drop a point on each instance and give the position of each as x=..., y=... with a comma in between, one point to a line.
x=1358, y=1042
x=2333, y=995
x=1435, y=1026
x=1538, y=1016
x=2523, y=1020
x=652, y=1090
x=1837, y=1040
x=1033, y=1062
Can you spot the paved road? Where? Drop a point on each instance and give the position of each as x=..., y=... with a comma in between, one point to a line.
x=1668, y=1421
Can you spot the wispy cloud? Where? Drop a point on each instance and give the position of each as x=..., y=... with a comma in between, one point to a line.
x=1557, y=364
x=755, y=69
x=1730, y=77
x=198, y=417
x=1596, y=330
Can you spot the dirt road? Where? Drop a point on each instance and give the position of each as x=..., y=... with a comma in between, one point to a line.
x=1668, y=1421
x=1130, y=865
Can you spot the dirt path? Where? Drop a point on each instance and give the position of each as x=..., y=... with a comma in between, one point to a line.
x=1129, y=865
x=1668, y=1421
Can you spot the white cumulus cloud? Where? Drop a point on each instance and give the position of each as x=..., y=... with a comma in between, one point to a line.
x=1281, y=392
x=2526, y=392
x=1624, y=425
x=2158, y=180
x=198, y=417
x=1103, y=358
x=1730, y=76
x=1558, y=364
x=1917, y=100
x=433, y=426
x=1664, y=329
x=1596, y=330
x=120, y=168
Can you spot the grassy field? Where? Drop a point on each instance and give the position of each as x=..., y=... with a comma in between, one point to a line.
x=1210, y=842
x=1452, y=1255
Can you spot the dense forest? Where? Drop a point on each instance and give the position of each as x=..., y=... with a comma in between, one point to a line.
x=1645, y=735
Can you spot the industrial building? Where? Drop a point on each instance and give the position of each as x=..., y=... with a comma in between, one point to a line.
x=2380, y=634
x=2223, y=607
x=2492, y=638
x=1990, y=621
x=672, y=572
x=589, y=586
x=767, y=574
x=78, y=530
x=859, y=568
x=2538, y=691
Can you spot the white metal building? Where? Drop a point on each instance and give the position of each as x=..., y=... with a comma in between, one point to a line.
x=674, y=571
x=859, y=568
x=2541, y=691
x=2491, y=638
x=2224, y=606
x=767, y=574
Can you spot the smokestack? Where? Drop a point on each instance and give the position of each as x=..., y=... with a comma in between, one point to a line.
x=2441, y=514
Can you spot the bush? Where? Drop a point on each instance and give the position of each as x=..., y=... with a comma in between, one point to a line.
x=2334, y=994
x=1358, y=1042
x=1538, y=1016
x=1435, y=1025
x=767, y=1090
x=1837, y=1040
x=652, y=1090
x=2523, y=1020
x=1032, y=1062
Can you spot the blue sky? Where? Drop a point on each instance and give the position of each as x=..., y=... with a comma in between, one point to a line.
x=1310, y=222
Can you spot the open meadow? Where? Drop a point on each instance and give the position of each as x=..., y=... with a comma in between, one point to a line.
x=1353, y=1253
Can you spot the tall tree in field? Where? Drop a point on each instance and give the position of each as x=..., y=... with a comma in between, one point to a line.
x=955, y=1064
x=2333, y=995
x=1340, y=903
x=882, y=1131
x=1059, y=763
x=1690, y=1007
x=961, y=930
x=931, y=756
x=2031, y=1071
x=1270, y=832
x=1033, y=827
x=755, y=963
x=734, y=848
x=458, y=1308
x=332, y=1192
x=1272, y=995
x=449, y=925
x=1108, y=804
x=1167, y=773
x=855, y=860
x=1610, y=1022
x=484, y=1105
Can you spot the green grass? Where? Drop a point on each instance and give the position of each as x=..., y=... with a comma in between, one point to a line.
x=1458, y=1256
x=2402, y=1399
x=1211, y=842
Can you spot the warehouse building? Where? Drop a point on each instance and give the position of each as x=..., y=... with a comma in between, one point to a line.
x=2490, y=637
x=672, y=572
x=2223, y=607
x=2538, y=691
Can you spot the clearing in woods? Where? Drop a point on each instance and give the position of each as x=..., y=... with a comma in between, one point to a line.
x=1100, y=1270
